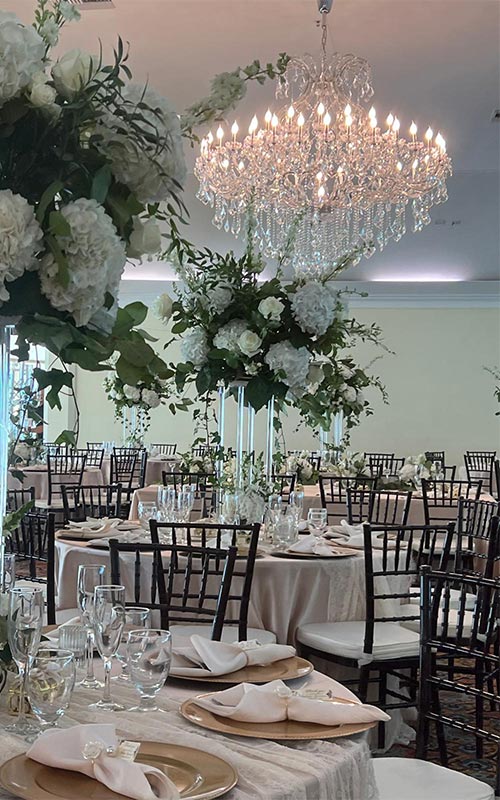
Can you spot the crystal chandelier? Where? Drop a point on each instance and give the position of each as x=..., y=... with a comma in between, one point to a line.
x=322, y=170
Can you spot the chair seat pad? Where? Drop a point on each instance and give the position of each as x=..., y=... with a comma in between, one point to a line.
x=410, y=609
x=54, y=503
x=412, y=779
x=470, y=599
x=347, y=639
x=229, y=633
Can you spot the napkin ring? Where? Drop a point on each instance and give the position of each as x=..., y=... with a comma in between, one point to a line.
x=91, y=751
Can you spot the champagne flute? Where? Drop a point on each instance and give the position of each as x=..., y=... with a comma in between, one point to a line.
x=149, y=655
x=109, y=621
x=24, y=631
x=89, y=576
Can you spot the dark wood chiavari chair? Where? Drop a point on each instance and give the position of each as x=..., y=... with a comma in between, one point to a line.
x=474, y=529
x=283, y=484
x=377, y=506
x=188, y=584
x=122, y=470
x=245, y=537
x=164, y=449
x=205, y=494
x=94, y=456
x=465, y=635
x=436, y=455
x=94, y=501
x=440, y=498
x=333, y=493
x=382, y=643
x=378, y=463
x=95, y=446
x=62, y=469
x=35, y=546
x=15, y=500
x=480, y=465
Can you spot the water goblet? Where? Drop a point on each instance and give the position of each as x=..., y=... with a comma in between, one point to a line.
x=146, y=511
x=229, y=512
x=89, y=576
x=135, y=618
x=296, y=504
x=285, y=532
x=317, y=521
x=51, y=680
x=149, y=653
x=109, y=620
x=24, y=631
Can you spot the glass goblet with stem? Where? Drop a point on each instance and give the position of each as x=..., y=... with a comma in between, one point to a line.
x=317, y=521
x=296, y=504
x=24, y=630
x=149, y=653
x=109, y=621
x=89, y=576
x=146, y=510
x=135, y=618
x=51, y=680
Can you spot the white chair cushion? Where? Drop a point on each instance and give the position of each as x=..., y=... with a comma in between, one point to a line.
x=347, y=639
x=229, y=633
x=414, y=624
x=55, y=503
x=412, y=779
x=470, y=599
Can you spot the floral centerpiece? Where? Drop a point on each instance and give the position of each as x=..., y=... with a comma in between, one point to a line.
x=348, y=465
x=301, y=466
x=410, y=476
x=251, y=487
x=289, y=341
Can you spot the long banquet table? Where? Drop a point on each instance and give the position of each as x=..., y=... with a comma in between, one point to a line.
x=267, y=770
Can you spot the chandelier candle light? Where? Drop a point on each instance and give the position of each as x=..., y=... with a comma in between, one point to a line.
x=324, y=166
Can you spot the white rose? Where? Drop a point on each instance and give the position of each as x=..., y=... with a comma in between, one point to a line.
x=345, y=372
x=249, y=343
x=132, y=392
x=72, y=71
x=42, y=95
x=145, y=239
x=151, y=398
x=162, y=307
x=271, y=308
x=348, y=393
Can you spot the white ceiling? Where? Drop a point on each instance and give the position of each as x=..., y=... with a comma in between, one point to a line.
x=435, y=61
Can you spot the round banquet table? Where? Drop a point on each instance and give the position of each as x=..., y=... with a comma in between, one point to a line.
x=267, y=770
x=155, y=465
x=37, y=477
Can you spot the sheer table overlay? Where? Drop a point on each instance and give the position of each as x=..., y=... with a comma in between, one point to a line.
x=316, y=770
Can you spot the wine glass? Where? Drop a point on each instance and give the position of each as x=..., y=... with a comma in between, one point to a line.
x=109, y=620
x=135, y=618
x=149, y=653
x=317, y=521
x=296, y=505
x=51, y=680
x=24, y=630
x=230, y=512
x=89, y=576
x=146, y=511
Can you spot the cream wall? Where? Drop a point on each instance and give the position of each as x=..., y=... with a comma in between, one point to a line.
x=440, y=397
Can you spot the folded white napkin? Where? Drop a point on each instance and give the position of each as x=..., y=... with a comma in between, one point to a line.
x=312, y=544
x=200, y=657
x=352, y=536
x=96, y=525
x=64, y=749
x=276, y=702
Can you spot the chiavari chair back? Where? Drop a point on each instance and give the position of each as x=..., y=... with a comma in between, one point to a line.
x=477, y=521
x=204, y=490
x=94, y=456
x=123, y=466
x=480, y=465
x=188, y=585
x=63, y=469
x=164, y=449
x=378, y=463
x=35, y=546
x=16, y=499
x=95, y=446
x=436, y=455
x=244, y=537
x=440, y=498
x=377, y=506
x=465, y=634
x=94, y=501
x=333, y=493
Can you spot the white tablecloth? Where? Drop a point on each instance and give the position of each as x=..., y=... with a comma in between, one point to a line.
x=154, y=468
x=319, y=770
x=37, y=477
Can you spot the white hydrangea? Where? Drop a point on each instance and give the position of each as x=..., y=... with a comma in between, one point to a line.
x=218, y=299
x=348, y=393
x=150, y=171
x=290, y=363
x=194, y=346
x=313, y=307
x=95, y=255
x=151, y=398
x=132, y=393
x=228, y=336
x=21, y=55
x=20, y=238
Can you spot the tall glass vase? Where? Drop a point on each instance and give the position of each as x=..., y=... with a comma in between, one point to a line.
x=6, y=333
x=332, y=439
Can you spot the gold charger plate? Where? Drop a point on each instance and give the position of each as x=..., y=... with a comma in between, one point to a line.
x=288, y=729
x=197, y=775
x=337, y=552
x=284, y=670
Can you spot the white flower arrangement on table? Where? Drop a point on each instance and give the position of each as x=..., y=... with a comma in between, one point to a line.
x=254, y=490
x=415, y=469
x=90, y=164
x=301, y=466
x=289, y=341
x=348, y=465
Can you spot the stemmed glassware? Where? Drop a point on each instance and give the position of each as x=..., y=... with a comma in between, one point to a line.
x=146, y=510
x=51, y=680
x=109, y=621
x=135, y=618
x=166, y=504
x=24, y=630
x=149, y=653
x=317, y=521
x=89, y=576
x=296, y=505
x=230, y=509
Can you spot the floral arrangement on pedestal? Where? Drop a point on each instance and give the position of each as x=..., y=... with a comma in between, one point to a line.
x=205, y=464
x=301, y=466
x=285, y=340
x=253, y=489
x=90, y=163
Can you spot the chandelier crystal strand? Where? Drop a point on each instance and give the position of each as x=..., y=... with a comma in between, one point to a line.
x=325, y=163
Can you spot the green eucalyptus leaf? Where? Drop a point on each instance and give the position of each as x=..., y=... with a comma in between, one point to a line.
x=101, y=183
